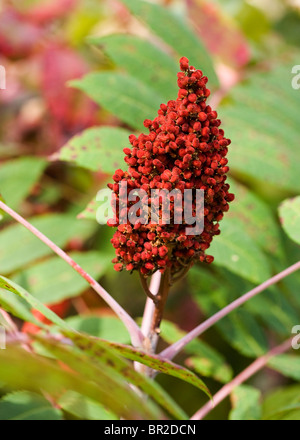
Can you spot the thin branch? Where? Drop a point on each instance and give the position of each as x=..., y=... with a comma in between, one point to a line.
x=175, y=348
x=154, y=298
x=132, y=327
x=150, y=306
x=150, y=341
x=241, y=378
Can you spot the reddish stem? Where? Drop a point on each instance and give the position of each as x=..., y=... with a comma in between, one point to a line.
x=241, y=378
x=175, y=348
x=133, y=329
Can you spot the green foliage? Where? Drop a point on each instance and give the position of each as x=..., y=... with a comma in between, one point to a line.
x=18, y=177
x=129, y=99
x=246, y=403
x=97, y=149
x=289, y=212
x=24, y=405
x=283, y=404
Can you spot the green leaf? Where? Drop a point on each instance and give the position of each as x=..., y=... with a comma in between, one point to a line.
x=142, y=60
x=289, y=212
x=59, y=228
x=283, y=404
x=240, y=329
x=84, y=408
x=22, y=370
x=97, y=149
x=16, y=306
x=24, y=405
x=17, y=178
x=176, y=33
x=126, y=97
x=263, y=122
x=64, y=282
x=104, y=327
x=99, y=362
x=95, y=347
x=236, y=251
x=287, y=364
x=256, y=218
x=245, y=403
x=12, y=287
x=205, y=360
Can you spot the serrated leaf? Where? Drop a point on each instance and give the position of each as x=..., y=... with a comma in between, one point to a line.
x=97, y=149
x=24, y=405
x=143, y=61
x=289, y=212
x=59, y=228
x=236, y=251
x=205, y=360
x=176, y=33
x=263, y=122
x=64, y=282
x=287, y=364
x=84, y=408
x=22, y=370
x=127, y=98
x=245, y=402
x=18, y=176
x=94, y=346
x=104, y=327
x=100, y=362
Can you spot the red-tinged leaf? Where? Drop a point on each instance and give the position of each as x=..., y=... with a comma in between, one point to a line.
x=95, y=346
x=71, y=111
x=18, y=38
x=45, y=11
x=219, y=33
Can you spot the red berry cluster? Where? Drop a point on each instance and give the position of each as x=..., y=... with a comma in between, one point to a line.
x=185, y=149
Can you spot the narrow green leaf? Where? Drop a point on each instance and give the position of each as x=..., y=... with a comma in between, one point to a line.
x=22, y=370
x=96, y=347
x=126, y=97
x=10, y=286
x=17, y=178
x=97, y=149
x=245, y=403
x=23, y=405
x=59, y=228
x=176, y=33
x=64, y=282
x=102, y=360
x=142, y=60
x=289, y=212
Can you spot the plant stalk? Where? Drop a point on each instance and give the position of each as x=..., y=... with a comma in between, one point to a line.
x=241, y=378
x=133, y=329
